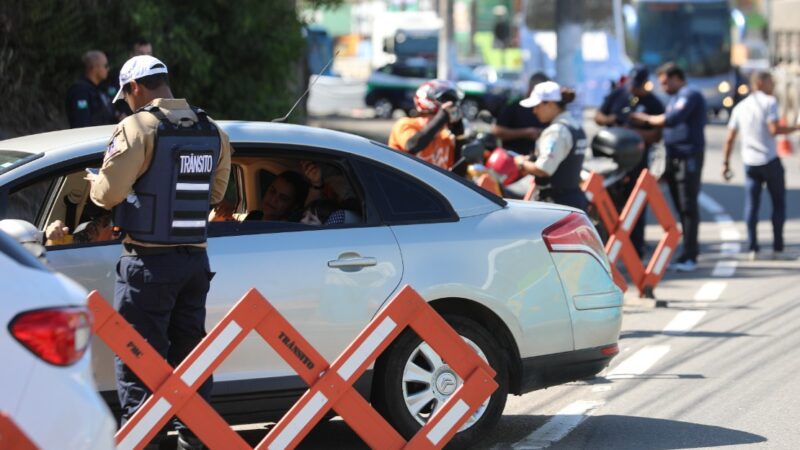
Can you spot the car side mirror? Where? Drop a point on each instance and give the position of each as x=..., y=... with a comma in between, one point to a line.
x=485, y=116
x=26, y=234
x=473, y=152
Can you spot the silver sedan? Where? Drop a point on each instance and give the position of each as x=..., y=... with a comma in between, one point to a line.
x=526, y=284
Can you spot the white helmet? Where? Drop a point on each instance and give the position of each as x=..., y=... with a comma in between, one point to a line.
x=26, y=234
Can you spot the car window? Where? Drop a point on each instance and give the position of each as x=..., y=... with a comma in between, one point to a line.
x=27, y=203
x=10, y=159
x=294, y=191
x=402, y=199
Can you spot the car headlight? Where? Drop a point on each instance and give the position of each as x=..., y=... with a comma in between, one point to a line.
x=743, y=89
x=727, y=102
x=724, y=87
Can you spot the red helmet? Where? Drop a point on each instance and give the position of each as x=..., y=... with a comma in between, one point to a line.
x=432, y=94
x=503, y=166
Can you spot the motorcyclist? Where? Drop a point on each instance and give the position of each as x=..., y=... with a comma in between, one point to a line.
x=437, y=133
x=560, y=148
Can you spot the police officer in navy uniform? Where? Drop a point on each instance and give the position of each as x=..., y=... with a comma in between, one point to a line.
x=164, y=167
x=87, y=103
x=632, y=97
x=559, y=150
x=684, y=138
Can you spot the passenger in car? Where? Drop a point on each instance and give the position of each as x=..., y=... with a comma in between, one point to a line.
x=283, y=199
x=318, y=211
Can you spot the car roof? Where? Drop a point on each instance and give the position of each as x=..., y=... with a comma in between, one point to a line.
x=65, y=145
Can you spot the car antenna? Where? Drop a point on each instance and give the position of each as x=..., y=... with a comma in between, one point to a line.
x=283, y=119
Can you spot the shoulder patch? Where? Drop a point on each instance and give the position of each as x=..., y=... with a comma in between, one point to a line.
x=680, y=103
x=117, y=144
x=83, y=104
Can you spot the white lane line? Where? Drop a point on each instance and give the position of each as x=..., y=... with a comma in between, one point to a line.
x=724, y=269
x=730, y=234
x=710, y=291
x=684, y=321
x=639, y=362
x=558, y=426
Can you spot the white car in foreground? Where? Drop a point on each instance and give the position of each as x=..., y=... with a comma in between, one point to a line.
x=527, y=284
x=46, y=383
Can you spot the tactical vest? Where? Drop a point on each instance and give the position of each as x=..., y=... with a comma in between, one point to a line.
x=170, y=201
x=568, y=174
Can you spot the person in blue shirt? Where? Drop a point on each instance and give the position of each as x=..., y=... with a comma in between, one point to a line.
x=684, y=139
x=633, y=96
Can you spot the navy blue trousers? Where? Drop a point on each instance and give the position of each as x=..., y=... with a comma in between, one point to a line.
x=771, y=175
x=683, y=177
x=164, y=297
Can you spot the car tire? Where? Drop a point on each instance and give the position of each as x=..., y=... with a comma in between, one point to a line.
x=383, y=108
x=471, y=108
x=391, y=392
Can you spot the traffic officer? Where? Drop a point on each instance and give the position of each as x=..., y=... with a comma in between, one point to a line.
x=86, y=103
x=684, y=138
x=615, y=111
x=164, y=167
x=560, y=149
x=437, y=134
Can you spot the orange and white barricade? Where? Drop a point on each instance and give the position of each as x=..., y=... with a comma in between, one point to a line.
x=330, y=386
x=619, y=227
x=12, y=437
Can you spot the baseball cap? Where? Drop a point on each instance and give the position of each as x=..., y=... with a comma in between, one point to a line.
x=639, y=75
x=547, y=91
x=138, y=67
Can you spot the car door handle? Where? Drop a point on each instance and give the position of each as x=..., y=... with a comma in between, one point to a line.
x=349, y=263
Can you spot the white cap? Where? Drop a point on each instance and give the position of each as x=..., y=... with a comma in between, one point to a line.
x=548, y=91
x=138, y=67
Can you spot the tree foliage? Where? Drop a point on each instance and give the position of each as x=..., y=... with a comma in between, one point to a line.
x=238, y=60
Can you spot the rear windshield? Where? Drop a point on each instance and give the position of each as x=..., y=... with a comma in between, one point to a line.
x=10, y=159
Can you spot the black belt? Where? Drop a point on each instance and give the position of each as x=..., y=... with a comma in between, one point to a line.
x=139, y=250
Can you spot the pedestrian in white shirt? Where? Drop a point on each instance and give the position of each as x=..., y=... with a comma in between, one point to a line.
x=756, y=119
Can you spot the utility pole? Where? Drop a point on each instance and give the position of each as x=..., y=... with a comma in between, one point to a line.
x=443, y=69
x=569, y=32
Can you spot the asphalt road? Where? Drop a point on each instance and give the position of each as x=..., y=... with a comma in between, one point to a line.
x=716, y=367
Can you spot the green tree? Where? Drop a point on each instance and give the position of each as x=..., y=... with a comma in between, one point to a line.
x=238, y=60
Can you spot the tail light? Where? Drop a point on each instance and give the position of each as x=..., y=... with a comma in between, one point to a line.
x=59, y=336
x=575, y=234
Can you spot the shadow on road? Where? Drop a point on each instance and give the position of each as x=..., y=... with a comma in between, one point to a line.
x=644, y=334
x=623, y=432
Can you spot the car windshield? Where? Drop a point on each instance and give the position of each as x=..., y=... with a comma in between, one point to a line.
x=10, y=159
x=694, y=35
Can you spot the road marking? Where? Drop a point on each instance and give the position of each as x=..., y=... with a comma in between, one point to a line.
x=558, y=426
x=684, y=321
x=724, y=269
x=730, y=234
x=710, y=291
x=639, y=362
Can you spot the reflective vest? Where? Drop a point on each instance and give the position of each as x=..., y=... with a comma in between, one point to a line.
x=567, y=176
x=171, y=200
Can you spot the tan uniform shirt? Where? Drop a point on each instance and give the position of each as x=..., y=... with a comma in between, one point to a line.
x=130, y=152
